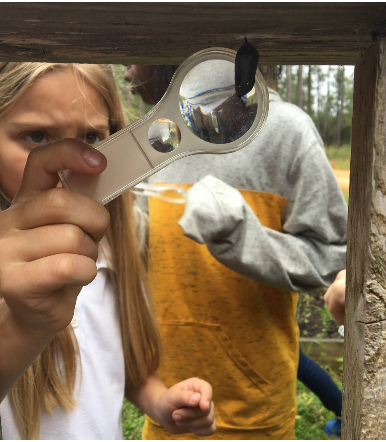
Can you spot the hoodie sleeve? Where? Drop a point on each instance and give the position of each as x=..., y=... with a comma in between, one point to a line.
x=310, y=250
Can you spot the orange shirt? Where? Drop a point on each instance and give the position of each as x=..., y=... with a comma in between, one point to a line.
x=239, y=335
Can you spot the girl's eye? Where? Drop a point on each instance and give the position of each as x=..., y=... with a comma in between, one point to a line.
x=92, y=138
x=36, y=137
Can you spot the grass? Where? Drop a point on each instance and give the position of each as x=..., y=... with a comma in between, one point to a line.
x=311, y=415
x=339, y=156
x=132, y=421
x=310, y=419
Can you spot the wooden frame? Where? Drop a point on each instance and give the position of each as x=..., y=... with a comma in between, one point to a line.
x=168, y=33
x=284, y=33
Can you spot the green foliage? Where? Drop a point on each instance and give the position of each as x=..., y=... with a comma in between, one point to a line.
x=133, y=104
x=311, y=415
x=313, y=316
x=340, y=156
x=304, y=314
x=341, y=153
x=325, y=320
x=132, y=421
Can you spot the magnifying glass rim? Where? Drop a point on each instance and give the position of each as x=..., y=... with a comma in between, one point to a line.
x=160, y=110
x=260, y=89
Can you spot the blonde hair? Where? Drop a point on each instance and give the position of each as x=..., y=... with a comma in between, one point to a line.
x=43, y=386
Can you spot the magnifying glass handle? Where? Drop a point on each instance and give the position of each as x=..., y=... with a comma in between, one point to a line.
x=170, y=193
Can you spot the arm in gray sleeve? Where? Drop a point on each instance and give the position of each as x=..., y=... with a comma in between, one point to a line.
x=312, y=247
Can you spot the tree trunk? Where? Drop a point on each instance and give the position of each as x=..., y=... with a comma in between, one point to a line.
x=340, y=107
x=309, y=90
x=299, y=91
x=288, y=83
x=319, y=99
x=327, y=112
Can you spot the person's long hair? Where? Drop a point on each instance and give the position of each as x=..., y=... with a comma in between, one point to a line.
x=50, y=382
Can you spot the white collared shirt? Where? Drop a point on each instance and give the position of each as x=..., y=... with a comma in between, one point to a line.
x=100, y=383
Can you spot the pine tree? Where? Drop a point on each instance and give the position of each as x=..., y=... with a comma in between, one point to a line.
x=288, y=83
x=299, y=89
x=340, y=105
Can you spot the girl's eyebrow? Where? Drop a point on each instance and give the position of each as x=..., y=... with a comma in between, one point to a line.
x=40, y=125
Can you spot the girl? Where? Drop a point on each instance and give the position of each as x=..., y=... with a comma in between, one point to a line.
x=68, y=381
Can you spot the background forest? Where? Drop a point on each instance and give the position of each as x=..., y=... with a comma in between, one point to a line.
x=325, y=93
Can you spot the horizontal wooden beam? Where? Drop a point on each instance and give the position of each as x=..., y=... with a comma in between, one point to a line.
x=167, y=33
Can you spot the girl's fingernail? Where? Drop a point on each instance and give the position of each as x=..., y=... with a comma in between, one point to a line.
x=92, y=159
x=208, y=404
x=195, y=397
x=177, y=417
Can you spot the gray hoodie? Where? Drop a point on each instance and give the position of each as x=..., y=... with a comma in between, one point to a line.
x=287, y=159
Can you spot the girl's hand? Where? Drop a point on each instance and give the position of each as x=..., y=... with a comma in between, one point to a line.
x=187, y=407
x=335, y=297
x=48, y=239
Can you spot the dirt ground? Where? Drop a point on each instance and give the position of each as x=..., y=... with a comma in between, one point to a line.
x=313, y=318
x=343, y=177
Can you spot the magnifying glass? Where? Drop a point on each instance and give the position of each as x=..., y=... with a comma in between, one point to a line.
x=199, y=113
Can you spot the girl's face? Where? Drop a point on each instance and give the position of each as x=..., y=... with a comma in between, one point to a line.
x=58, y=105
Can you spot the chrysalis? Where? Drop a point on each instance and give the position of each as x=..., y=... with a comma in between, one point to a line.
x=246, y=62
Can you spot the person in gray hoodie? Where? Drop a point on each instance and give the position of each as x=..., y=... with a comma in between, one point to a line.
x=258, y=226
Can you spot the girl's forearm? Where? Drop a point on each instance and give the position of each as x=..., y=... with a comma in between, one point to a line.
x=18, y=349
x=146, y=397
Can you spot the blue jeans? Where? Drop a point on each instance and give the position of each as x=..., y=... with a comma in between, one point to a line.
x=318, y=381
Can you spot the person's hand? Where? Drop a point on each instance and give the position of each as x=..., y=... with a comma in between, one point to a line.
x=335, y=297
x=187, y=407
x=48, y=239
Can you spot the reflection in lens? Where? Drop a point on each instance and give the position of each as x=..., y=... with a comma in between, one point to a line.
x=209, y=104
x=164, y=135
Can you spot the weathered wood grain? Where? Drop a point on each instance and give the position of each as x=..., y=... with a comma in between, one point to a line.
x=167, y=33
x=364, y=385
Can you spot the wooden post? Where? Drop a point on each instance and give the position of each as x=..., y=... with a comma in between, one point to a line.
x=364, y=378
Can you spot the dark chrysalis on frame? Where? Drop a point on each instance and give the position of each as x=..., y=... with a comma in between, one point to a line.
x=247, y=59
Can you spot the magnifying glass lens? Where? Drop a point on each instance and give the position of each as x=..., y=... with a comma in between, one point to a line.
x=209, y=104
